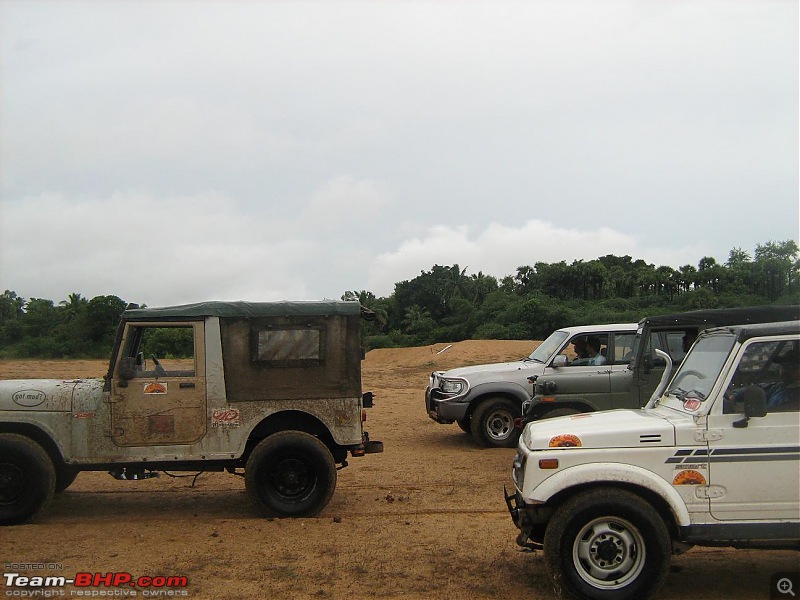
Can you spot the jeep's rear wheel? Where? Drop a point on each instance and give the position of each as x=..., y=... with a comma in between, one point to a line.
x=27, y=479
x=290, y=474
x=492, y=423
x=607, y=544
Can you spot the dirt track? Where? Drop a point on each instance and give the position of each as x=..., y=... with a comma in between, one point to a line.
x=424, y=519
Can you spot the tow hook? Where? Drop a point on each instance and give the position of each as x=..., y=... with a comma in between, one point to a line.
x=367, y=446
x=512, y=509
x=523, y=539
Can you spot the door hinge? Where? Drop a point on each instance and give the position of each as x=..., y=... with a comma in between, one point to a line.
x=707, y=435
x=708, y=492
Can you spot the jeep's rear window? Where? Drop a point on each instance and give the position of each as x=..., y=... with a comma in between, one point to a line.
x=282, y=347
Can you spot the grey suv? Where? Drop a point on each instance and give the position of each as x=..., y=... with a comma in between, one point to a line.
x=485, y=400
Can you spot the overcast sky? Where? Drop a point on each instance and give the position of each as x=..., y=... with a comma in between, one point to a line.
x=178, y=151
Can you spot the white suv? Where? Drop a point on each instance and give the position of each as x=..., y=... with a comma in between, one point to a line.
x=712, y=460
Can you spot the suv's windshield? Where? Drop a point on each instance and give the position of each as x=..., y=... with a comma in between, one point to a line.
x=701, y=367
x=547, y=347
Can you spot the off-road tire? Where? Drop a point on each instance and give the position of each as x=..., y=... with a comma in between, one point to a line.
x=607, y=544
x=465, y=424
x=65, y=477
x=27, y=479
x=492, y=423
x=290, y=474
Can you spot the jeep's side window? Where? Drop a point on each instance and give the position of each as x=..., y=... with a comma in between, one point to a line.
x=588, y=349
x=675, y=345
x=162, y=351
x=772, y=366
x=653, y=344
x=624, y=348
x=289, y=346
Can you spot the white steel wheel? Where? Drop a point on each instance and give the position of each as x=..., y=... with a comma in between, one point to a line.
x=609, y=553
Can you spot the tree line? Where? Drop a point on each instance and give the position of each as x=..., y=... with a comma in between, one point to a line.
x=446, y=304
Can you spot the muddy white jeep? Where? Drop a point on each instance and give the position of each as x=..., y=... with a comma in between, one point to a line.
x=271, y=388
x=712, y=460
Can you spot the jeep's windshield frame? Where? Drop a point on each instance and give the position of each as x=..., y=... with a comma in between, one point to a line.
x=700, y=370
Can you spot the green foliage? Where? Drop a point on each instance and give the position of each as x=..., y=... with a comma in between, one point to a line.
x=446, y=304
x=168, y=342
x=75, y=328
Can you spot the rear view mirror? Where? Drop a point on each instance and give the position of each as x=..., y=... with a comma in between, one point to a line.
x=755, y=405
x=559, y=361
x=755, y=402
x=127, y=368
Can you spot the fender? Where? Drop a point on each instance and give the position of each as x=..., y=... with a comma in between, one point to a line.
x=502, y=388
x=38, y=431
x=540, y=402
x=599, y=473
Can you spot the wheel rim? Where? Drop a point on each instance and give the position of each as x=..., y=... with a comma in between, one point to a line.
x=291, y=479
x=11, y=483
x=499, y=425
x=609, y=553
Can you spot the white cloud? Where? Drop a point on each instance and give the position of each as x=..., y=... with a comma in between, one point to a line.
x=345, y=201
x=176, y=151
x=499, y=249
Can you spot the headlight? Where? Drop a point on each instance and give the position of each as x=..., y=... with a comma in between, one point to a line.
x=452, y=386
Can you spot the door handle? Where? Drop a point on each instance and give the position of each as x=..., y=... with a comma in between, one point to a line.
x=186, y=384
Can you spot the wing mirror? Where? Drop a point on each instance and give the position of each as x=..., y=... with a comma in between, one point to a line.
x=559, y=361
x=755, y=405
x=127, y=368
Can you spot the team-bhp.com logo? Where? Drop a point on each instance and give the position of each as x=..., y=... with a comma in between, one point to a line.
x=94, y=584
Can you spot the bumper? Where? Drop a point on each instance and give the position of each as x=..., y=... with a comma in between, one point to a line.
x=444, y=410
x=367, y=446
x=530, y=519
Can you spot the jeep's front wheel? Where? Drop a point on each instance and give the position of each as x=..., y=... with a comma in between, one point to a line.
x=492, y=423
x=65, y=477
x=27, y=479
x=607, y=544
x=290, y=474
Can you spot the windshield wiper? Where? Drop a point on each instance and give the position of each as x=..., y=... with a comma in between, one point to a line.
x=683, y=394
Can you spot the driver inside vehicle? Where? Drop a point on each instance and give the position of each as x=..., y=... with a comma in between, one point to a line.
x=783, y=394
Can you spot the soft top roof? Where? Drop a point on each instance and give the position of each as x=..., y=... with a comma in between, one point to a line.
x=745, y=332
x=727, y=316
x=246, y=309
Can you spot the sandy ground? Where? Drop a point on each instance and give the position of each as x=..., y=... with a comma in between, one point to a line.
x=425, y=519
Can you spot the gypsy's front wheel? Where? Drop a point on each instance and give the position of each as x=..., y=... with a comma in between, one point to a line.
x=607, y=544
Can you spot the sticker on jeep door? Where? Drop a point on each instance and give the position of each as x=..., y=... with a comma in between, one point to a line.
x=689, y=477
x=155, y=388
x=227, y=417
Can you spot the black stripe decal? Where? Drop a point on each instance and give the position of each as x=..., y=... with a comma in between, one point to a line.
x=720, y=455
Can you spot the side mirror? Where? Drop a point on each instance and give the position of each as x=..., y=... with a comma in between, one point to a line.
x=755, y=405
x=127, y=368
x=559, y=361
